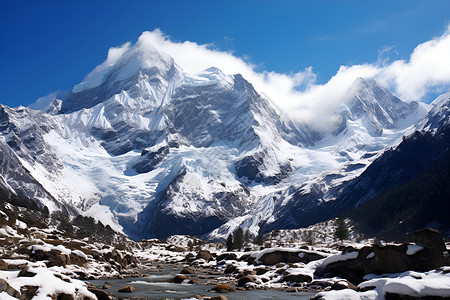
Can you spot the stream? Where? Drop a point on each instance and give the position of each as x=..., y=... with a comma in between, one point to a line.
x=156, y=286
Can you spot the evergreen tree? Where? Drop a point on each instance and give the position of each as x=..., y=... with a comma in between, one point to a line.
x=230, y=245
x=247, y=236
x=341, y=229
x=259, y=240
x=238, y=238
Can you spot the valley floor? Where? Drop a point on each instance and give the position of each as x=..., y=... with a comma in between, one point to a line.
x=45, y=264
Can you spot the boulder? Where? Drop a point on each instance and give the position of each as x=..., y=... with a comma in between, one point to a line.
x=230, y=269
x=245, y=279
x=101, y=295
x=262, y=270
x=3, y=265
x=222, y=288
x=28, y=291
x=5, y=287
x=342, y=285
x=187, y=270
x=429, y=238
x=24, y=272
x=180, y=278
x=380, y=259
x=175, y=248
x=62, y=296
x=227, y=256
x=280, y=256
x=127, y=289
x=77, y=260
x=205, y=254
x=297, y=277
x=54, y=257
x=218, y=297
x=194, y=281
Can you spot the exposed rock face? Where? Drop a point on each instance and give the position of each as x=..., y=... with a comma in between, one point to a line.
x=150, y=159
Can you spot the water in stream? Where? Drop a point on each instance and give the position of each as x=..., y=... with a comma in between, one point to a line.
x=156, y=286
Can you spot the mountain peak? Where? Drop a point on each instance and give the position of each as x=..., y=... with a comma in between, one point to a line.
x=124, y=62
x=378, y=108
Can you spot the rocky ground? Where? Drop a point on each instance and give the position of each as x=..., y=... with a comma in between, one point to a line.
x=45, y=263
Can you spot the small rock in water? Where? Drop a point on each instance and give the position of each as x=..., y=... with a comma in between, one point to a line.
x=179, y=278
x=127, y=289
x=245, y=279
x=187, y=270
x=222, y=288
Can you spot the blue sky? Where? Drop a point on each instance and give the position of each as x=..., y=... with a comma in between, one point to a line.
x=51, y=45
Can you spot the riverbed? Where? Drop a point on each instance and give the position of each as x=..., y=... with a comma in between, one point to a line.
x=157, y=285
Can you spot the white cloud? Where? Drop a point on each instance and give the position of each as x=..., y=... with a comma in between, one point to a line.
x=427, y=69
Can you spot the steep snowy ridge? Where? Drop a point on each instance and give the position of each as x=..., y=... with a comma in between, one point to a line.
x=141, y=143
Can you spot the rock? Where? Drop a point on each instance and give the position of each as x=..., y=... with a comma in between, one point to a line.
x=187, y=270
x=26, y=273
x=175, y=248
x=245, y=279
x=62, y=296
x=262, y=270
x=3, y=265
x=189, y=257
x=297, y=277
x=28, y=291
x=222, y=288
x=54, y=257
x=5, y=287
x=429, y=238
x=179, y=278
x=385, y=259
x=342, y=285
x=205, y=254
x=218, y=297
x=194, y=281
x=279, y=256
x=227, y=256
x=127, y=289
x=101, y=295
x=77, y=260
x=230, y=269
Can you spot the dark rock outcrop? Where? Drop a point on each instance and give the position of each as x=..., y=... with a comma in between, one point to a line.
x=281, y=256
x=380, y=259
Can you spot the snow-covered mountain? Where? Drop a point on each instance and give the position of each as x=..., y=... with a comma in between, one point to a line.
x=140, y=144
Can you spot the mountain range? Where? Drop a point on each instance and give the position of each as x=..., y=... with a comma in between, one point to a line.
x=151, y=150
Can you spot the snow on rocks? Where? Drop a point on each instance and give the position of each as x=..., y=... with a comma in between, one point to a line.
x=406, y=285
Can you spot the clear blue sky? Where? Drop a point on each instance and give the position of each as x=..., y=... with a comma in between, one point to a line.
x=51, y=45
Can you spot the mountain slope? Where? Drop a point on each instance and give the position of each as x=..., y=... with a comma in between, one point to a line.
x=396, y=169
